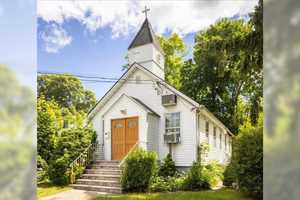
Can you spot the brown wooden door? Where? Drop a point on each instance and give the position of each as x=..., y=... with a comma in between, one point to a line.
x=131, y=133
x=124, y=136
x=118, y=139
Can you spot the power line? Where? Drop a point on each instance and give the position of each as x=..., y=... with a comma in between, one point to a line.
x=99, y=79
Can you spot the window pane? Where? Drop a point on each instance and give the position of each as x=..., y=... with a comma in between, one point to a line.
x=172, y=122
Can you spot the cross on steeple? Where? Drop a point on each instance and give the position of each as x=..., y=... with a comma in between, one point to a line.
x=145, y=11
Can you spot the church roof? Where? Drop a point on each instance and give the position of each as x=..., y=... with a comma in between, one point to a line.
x=145, y=106
x=144, y=36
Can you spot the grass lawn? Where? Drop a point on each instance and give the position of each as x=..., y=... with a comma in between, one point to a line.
x=223, y=194
x=47, y=189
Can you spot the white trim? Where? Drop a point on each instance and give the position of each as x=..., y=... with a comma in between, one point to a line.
x=124, y=95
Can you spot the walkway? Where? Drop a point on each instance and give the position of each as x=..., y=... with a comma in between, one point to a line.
x=74, y=195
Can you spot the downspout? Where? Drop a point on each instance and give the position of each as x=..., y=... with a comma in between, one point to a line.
x=197, y=130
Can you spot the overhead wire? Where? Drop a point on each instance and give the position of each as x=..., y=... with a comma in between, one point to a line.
x=99, y=79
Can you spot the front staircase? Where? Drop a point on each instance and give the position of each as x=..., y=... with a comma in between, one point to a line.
x=101, y=176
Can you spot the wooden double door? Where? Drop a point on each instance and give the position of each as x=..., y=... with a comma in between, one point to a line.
x=124, y=136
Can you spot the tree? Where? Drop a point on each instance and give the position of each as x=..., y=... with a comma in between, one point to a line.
x=174, y=49
x=49, y=121
x=67, y=91
x=247, y=158
x=227, y=69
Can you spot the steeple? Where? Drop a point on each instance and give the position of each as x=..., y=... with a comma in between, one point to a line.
x=146, y=50
x=145, y=36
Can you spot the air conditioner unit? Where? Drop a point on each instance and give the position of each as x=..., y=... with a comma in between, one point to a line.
x=172, y=138
x=169, y=100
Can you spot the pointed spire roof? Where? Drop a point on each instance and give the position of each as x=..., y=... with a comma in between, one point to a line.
x=144, y=36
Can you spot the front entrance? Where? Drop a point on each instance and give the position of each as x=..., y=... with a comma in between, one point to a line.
x=124, y=136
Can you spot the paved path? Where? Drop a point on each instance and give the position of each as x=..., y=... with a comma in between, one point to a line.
x=74, y=195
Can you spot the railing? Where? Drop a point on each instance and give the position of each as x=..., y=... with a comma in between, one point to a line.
x=82, y=161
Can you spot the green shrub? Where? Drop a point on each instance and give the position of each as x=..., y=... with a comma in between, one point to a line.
x=159, y=184
x=70, y=144
x=73, y=141
x=176, y=183
x=248, y=159
x=139, y=169
x=229, y=175
x=58, y=170
x=194, y=179
x=168, y=167
x=169, y=184
x=42, y=168
x=213, y=174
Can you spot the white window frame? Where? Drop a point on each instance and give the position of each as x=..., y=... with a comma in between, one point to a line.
x=220, y=139
x=207, y=130
x=215, y=136
x=172, y=127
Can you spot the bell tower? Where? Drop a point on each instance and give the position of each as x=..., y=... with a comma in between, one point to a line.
x=146, y=50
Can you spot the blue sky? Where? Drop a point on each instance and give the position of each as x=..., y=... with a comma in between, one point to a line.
x=18, y=38
x=91, y=37
x=91, y=55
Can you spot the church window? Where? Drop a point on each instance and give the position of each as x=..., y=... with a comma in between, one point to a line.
x=172, y=123
x=207, y=130
x=220, y=140
x=215, y=136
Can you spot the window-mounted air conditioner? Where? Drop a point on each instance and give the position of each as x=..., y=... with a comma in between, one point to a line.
x=169, y=100
x=172, y=138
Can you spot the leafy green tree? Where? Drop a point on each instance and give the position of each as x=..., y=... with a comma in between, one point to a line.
x=49, y=122
x=174, y=49
x=227, y=69
x=68, y=146
x=67, y=91
x=248, y=158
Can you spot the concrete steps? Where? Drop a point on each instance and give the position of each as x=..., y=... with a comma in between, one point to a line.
x=107, y=190
x=101, y=176
x=103, y=171
x=107, y=183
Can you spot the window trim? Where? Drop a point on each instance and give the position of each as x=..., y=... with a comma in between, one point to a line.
x=207, y=130
x=215, y=136
x=180, y=125
x=220, y=137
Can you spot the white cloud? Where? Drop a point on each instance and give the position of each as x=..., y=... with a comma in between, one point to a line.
x=55, y=38
x=124, y=17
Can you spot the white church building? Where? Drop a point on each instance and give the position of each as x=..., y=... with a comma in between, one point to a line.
x=142, y=110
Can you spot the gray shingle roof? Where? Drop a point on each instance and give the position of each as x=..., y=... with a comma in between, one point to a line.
x=144, y=36
x=145, y=106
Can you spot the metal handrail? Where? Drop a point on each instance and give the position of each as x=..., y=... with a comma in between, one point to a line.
x=81, y=161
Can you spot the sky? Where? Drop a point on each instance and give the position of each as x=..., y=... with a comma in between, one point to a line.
x=18, y=39
x=91, y=37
